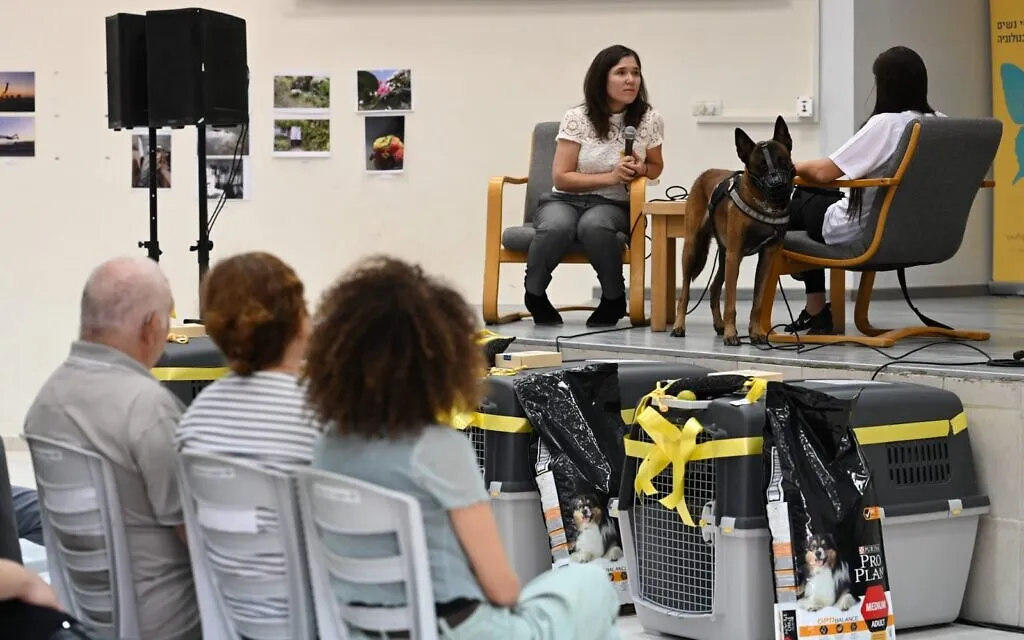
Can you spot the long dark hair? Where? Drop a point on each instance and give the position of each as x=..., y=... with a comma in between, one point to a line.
x=595, y=90
x=901, y=84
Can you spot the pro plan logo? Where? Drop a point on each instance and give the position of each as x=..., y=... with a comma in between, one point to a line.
x=875, y=608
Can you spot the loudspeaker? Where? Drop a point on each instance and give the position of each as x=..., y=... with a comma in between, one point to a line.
x=126, y=71
x=197, y=68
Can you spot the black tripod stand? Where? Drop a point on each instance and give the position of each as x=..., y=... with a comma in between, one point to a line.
x=203, y=245
x=153, y=244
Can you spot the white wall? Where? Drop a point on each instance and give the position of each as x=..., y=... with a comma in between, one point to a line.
x=953, y=38
x=484, y=71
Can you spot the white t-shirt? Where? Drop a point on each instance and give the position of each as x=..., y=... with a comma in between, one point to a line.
x=601, y=155
x=860, y=157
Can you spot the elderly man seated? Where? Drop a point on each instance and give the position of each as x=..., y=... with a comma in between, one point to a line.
x=103, y=398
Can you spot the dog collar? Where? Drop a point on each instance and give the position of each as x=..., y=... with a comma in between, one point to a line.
x=734, y=193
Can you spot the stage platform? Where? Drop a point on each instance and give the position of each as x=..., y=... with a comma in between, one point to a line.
x=993, y=398
x=1003, y=317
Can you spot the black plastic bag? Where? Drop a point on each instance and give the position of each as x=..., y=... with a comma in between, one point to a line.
x=577, y=414
x=827, y=551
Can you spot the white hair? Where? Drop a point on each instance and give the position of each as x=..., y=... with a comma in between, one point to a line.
x=120, y=294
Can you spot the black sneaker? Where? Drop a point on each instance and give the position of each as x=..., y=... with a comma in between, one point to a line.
x=543, y=312
x=608, y=312
x=818, y=324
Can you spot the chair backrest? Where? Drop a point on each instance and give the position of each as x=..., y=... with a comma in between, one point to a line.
x=245, y=520
x=336, y=505
x=542, y=156
x=86, y=545
x=930, y=208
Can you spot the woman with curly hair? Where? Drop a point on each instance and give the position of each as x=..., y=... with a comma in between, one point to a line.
x=392, y=350
x=255, y=312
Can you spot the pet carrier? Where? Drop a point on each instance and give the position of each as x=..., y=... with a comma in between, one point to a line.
x=186, y=369
x=503, y=440
x=701, y=568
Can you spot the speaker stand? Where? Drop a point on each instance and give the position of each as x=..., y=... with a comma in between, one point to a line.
x=203, y=246
x=153, y=244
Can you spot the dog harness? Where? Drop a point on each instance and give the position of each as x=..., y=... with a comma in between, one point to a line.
x=730, y=187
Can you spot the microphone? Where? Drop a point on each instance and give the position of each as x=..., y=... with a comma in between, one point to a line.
x=630, y=135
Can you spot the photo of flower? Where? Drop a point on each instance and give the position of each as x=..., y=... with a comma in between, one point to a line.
x=384, y=90
x=305, y=93
x=385, y=143
x=306, y=138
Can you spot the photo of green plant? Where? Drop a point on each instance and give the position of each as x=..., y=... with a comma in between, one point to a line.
x=307, y=138
x=302, y=92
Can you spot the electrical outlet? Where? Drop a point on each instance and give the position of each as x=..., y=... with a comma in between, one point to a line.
x=804, y=107
x=707, y=108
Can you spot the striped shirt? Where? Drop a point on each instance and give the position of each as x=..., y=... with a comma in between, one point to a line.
x=264, y=419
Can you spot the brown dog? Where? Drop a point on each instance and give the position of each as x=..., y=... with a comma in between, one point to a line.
x=746, y=212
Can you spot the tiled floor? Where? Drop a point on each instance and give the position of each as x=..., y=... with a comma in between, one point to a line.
x=20, y=469
x=1003, y=317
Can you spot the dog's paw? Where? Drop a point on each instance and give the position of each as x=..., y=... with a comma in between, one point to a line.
x=614, y=554
x=758, y=337
x=678, y=332
x=720, y=329
x=731, y=339
x=582, y=557
x=846, y=602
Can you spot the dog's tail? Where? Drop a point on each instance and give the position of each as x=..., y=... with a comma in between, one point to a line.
x=696, y=206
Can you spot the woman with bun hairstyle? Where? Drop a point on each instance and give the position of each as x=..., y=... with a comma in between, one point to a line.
x=394, y=349
x=255, y=312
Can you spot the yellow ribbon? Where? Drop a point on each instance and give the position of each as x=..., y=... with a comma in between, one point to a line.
x=674, y=446
x=758, y=386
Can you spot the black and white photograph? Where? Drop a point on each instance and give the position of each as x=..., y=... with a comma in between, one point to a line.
x=227, y=141
x=227, y=178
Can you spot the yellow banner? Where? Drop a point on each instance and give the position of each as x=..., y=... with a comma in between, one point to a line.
x=1007, y=33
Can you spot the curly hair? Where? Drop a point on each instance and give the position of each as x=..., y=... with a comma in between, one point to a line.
x=254, y=307
x=392, y=350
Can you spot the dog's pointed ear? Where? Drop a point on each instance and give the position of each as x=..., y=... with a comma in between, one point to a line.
x=782, y=133
x=744, y=145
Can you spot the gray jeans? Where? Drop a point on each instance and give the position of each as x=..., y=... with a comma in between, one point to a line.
x=27, y=514
x=595, y=222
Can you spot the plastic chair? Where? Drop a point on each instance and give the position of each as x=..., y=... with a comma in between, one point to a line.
x=238, y=515
x=333, y=504
x=85, y=536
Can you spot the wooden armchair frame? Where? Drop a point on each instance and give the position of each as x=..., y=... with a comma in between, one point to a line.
x=790, y=262
x=495, y=254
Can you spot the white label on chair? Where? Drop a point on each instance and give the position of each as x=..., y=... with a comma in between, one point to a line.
x=227, y=520
x=338, y=494
x=213, y=473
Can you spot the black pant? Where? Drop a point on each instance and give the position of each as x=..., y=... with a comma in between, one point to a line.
x=807, y=213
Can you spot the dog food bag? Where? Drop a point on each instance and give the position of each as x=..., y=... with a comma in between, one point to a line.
x=576, y=413
x=826, y=534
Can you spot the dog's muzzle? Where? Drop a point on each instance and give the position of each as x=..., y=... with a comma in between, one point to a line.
x=776, y=183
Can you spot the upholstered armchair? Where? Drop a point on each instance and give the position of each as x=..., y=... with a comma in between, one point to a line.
x=918, y=218
x=505, y=245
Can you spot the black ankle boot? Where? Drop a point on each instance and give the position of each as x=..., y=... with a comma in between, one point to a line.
x=608, y=312
x=543, y=312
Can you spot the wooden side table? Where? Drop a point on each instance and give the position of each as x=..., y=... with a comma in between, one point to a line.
x=666, y=225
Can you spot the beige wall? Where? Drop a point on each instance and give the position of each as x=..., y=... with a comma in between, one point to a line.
x=483, y=73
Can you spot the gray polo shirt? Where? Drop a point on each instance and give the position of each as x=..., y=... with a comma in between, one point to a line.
x=105, y=401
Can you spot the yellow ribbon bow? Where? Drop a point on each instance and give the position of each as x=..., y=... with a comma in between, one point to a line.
x=674, y=446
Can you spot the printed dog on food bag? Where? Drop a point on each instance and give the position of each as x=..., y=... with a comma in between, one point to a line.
x=827, y=579
x=595, y=534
